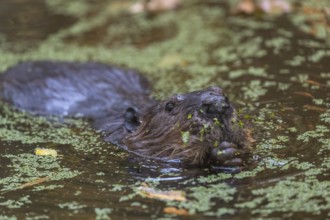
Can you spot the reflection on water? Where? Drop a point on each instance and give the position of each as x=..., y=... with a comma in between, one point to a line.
x=276, y=71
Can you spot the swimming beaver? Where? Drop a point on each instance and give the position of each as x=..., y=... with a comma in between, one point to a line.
x=197, y=128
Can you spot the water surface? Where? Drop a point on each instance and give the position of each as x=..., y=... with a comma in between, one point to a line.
x=274, y=68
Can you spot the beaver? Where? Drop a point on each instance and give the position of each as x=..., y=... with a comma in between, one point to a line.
x=197, y=128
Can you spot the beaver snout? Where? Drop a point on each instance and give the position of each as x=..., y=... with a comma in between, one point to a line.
x=213, y=103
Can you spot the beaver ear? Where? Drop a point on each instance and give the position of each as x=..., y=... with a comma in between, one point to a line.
x=131, y=120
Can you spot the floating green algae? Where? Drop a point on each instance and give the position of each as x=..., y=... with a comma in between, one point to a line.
x=15, y=204
x=18, y=126
x=254, y=90
x=320, y=132
x=72, y=206
x=259, y=61
x=7, y=217
x=77, y=7
x=102, y=213
x=28, y=168
x=325, y=117
x=201, y=198
x=291, y=196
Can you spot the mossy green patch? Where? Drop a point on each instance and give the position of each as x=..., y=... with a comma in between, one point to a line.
x=319, y=132
x=77, y=8
x=201, y=198
x=15, y=204
x=259, y=60
x=278, y=44
x=18, y=126
x=4, y=217
x=28, y=168
x=185, y=137
x=103, y=213
x=274, y=143
x=325, y=117
x=290, y=196
x=254, y=90
x=75, y=206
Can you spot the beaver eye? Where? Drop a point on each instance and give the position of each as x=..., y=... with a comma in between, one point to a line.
x=169, y=106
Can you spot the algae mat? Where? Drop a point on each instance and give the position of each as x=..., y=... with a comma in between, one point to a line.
x=274, y=67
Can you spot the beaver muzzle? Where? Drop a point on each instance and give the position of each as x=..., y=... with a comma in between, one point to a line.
x=215, y=104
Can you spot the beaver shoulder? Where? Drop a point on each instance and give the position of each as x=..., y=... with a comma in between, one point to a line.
x=195, y=128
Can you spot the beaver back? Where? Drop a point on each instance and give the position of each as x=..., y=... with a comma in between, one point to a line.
x=93, y=90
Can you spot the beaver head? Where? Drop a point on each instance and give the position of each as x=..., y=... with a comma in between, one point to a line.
x=194, y=128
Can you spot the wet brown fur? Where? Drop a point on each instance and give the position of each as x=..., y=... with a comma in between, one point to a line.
x=119, y=103
x=166, y=141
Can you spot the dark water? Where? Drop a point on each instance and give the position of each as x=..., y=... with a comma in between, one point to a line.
x=275, y=68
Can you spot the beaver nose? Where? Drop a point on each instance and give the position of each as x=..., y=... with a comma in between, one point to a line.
x=214, y=103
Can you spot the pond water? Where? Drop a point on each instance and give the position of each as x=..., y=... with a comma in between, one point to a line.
x=275, y=68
